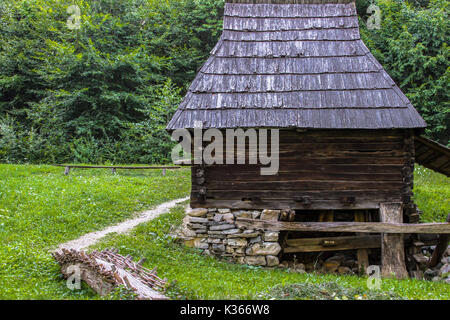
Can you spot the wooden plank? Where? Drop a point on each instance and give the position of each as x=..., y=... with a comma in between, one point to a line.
x=283, y=204
x=332, y=244
x=116, y=167
x=362, y=227
x=392, y=245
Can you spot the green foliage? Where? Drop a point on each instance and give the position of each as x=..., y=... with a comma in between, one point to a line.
x=432, y=195
x=104, y=92
x=412, y=46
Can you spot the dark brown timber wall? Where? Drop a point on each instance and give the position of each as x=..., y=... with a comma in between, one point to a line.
x=322, y=169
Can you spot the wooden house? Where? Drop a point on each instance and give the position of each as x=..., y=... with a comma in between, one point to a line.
x=346, y=130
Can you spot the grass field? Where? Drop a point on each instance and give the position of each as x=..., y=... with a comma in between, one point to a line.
x=40, y=208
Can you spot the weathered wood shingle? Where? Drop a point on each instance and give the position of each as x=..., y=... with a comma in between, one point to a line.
x=289, y=64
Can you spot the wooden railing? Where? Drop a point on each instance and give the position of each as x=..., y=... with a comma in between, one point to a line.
x=114, y=168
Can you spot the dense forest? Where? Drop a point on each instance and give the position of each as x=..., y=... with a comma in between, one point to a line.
x=104, y=92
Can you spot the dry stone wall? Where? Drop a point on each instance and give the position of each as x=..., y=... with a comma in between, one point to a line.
x=215, y=233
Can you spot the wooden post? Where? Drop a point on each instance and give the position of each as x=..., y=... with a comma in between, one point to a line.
x=362, y=254
x=164, y=172
x=66, y=171
x=113, y=170
x=441, y=247
x=392, y=246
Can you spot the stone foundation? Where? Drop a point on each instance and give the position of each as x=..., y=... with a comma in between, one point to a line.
x=214, y=232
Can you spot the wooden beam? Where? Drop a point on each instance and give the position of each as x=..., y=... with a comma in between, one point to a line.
x=115, y=167
x=362, y=253
x=332, y=244
x=441, y=247
x=392, y=245
x=362, y=227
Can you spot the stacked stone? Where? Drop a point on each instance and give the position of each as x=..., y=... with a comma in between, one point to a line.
x=214, y=231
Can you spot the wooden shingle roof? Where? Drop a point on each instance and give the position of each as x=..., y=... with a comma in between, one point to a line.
x=280, y=63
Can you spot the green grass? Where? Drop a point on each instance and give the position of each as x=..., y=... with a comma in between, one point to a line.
x=40, y=208
x=202, y=277
x=432, y=194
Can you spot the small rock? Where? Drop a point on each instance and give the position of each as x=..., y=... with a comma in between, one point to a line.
x=214, y=240
x=237, y=242
x=420, y=259
x=444, y=272
x=265, y=248
x=218, y=217
x=429, y=274
x=212, y=209
x=230, y=231
x=271, y=215
x=255, y=260
x=200, y=243
x=243, y=214
x=338, y=258
x=200, y=212
x=222, y=227
x=255, y=239
x=299, y=267
x=271, y=236
x=198, y=220
x=217, y=234
x=272, y=261
x=344, y=270
x=436, y=279
x=218, y=248
x=196, y=226
x=256, y=214
x=244, y=235
x=240, y=260
x=228, y=217
x=330, y=266
x=224, y=211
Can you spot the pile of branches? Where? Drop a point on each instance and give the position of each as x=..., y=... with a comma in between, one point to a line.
x=106, y=270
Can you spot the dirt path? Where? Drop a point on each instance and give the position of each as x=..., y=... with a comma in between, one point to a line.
x=123, y=227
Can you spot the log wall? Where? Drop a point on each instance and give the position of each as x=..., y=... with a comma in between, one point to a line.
x=319, y=169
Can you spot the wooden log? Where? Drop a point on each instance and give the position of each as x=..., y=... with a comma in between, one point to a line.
x=332, y=244
x=258, y=203
x=392, y=245
x=362, y=227
x=362, y=253
x=441, y=247
x=117, y=167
